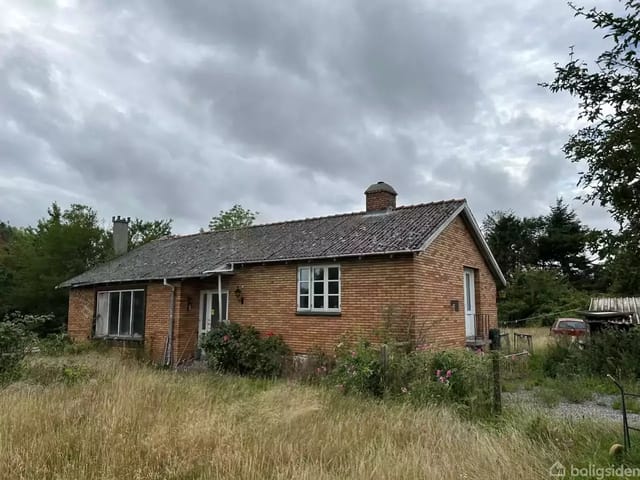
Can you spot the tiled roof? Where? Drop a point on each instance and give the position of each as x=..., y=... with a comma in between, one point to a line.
x=404, y=229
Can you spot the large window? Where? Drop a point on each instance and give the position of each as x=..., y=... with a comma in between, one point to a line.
x=319, y=288
x=120, y=313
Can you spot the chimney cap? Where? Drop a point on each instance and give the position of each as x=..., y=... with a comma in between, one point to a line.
x=120, y=219
x=380, y=187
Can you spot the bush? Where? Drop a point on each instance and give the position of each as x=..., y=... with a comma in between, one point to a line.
x=358, y=369
x=610, y=351
x=234, y=348
x=16, y=336
x=55, y=344
x=455, y=377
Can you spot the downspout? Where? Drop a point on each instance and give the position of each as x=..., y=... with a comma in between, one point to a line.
x=168, y=354
x=220, y=297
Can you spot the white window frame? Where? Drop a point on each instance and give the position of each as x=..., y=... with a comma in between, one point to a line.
x=203, y=294
x=131, y=336
x=311, y=308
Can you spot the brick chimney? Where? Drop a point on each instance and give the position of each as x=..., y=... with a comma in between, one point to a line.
x=120, y=235
x=380, y=197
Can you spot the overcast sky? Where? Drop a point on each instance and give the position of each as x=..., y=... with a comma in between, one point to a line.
x=179, y=109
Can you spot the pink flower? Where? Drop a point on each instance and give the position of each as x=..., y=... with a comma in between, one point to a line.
x=353, y=353
x=269, y=334
x=438, y=372
x=443, y=380
x=449, y=373
x=225, y=339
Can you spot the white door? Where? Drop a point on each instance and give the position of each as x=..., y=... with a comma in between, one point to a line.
x=210, y=310
x=469, y=302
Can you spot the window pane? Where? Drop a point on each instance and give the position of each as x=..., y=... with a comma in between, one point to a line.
x=318, y=273
x=203, y=313
x=102, y=312
x=304, y=301
x=334, y=288
x=303, y=274
x=304, y=288
x=318, y=288
x=225, y=299
x=318, y=302
x=215, y=311
x=138, y=314
x=114, y=305
x=125, y=313
x=334, y=273
x=334, y=301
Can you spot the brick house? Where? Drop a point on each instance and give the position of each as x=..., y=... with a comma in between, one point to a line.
x=423, y=271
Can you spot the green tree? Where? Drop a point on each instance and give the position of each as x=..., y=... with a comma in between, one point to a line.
x=541, y=295
x=6, y=234
x=513, y=240
x=563, y=243
x=141, y=231
x=609, y=143
x=62, y=245
x=235, y=217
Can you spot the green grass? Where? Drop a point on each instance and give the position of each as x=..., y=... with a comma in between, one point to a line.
x=632, y=405
x=96, y=415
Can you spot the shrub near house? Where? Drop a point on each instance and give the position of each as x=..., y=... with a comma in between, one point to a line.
x=234, y=348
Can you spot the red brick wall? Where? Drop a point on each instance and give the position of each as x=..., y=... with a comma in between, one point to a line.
x=439, y=279
x=369, y=287
x=156, y=320
x=81, y=311
x=374, y=290
x=186, y=328
x=380, y=201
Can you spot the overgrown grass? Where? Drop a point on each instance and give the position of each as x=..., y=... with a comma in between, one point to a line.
x=548, y=373
x=121, y=419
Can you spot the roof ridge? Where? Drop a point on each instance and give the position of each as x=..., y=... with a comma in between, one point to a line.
x=285, y=222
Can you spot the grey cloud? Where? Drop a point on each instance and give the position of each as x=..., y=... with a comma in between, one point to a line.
x=180, y=109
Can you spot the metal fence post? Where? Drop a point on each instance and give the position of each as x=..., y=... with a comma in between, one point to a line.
x=625, y=423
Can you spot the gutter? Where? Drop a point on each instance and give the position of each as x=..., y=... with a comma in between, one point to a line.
x=168, y=351
x=226, y=268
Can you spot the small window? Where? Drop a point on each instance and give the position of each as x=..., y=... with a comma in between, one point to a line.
x=319, y=288
x=120, y=314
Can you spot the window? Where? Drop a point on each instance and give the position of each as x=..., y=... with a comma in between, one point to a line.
x=319, y=288
x=120, y=313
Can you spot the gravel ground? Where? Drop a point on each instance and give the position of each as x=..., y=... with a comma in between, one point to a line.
x=600, y=407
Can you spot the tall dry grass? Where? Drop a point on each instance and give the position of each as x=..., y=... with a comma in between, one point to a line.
x=134, y=422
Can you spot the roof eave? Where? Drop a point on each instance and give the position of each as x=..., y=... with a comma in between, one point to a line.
x=208, y=273
x=478, y=237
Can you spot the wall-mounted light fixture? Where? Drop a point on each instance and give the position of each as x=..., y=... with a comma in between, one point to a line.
x=189, y=304
x=238, y=293
x=455, y=305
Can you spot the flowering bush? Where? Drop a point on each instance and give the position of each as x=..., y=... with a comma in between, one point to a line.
x=234, y=348
x=358, y=369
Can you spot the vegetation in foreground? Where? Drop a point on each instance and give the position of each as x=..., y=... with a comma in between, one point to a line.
x=95, y=415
